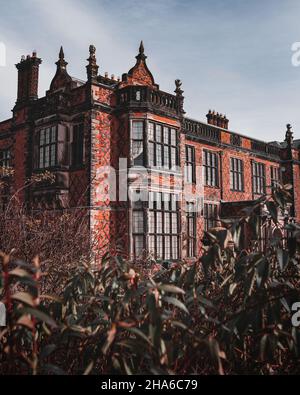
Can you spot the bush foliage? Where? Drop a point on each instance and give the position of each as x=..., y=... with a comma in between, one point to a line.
x=227, y=313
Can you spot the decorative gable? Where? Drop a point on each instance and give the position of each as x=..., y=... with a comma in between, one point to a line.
x=139, y=74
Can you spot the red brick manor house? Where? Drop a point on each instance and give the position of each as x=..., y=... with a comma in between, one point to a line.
x=80, y=128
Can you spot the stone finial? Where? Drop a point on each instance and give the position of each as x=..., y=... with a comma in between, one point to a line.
x=179, y=94
x=61, y=63
x=289, y=135
x=178, y=89
x=92, y=67
x=141, y=55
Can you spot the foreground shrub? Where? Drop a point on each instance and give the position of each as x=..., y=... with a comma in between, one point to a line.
x=227, y=313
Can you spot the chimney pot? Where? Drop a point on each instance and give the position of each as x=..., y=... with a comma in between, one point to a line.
x=217, y=119
x=28, y=77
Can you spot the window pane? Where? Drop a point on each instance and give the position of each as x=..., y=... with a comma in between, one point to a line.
x=52, y=155
x=41, y=164
x=151, y=222
x=174, y=223
x=173, y=157
x=47, y=156
x=151, y=131
x=166, y=157
x=138, y=245
x=159, y=155
x=158, y=131
x=159, y=224
x=138, y=222
x=175, y=247
x=53, y=134
x=173, y=137
x=167, y=247
x=42, y=137
x=167, y=223
x=152, y=244
x=166, y=198
x=47, y=136
x=151, y=154
x=166, y=135
x=137, y=153
x=137, y=130
x=159, y=247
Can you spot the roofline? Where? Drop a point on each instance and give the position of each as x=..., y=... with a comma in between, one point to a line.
x=230, y=131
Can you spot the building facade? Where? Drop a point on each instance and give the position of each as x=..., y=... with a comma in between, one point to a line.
x=150, y=179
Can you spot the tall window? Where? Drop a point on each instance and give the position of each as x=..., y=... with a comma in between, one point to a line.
x=275, y=176
x=163, y=147
x=138, y=232
x=191, y=229
x=210, y=215
x=5, y=158
x=163, y=225
x=259, y=178
x=236, y=174
x=5, y=161
x=47, y=145
x=190, y=165
x=211, y=168
x=137, y=136
x=77, y=145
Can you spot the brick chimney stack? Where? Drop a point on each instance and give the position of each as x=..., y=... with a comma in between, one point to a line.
x=28, y=78
x=216, y=119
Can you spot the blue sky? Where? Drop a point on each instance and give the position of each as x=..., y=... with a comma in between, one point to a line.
x=233, y=56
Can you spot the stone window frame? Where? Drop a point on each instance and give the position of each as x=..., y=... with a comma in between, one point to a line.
x=163, y=147
x=275, y=175
x=190, y=164
x=164, y=232
x=191, y=231
x=210, y=214
x=211, y=168
x=237, y=182
x=258, y=178
x=5, y=158
x=137, y=142
x=47, y=144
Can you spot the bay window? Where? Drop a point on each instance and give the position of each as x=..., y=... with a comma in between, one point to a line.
x=163, y=146
x=163, y=226
x=47, y=147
